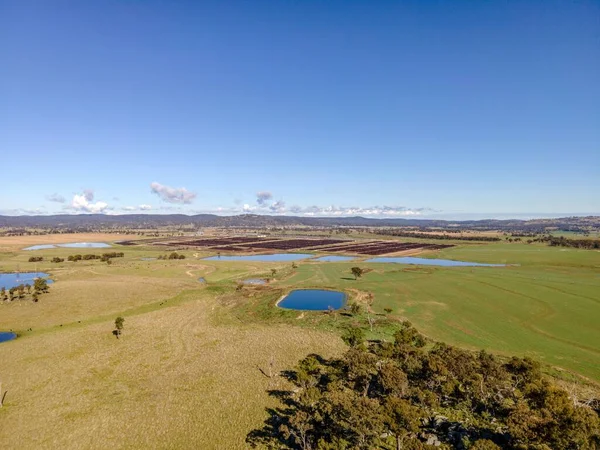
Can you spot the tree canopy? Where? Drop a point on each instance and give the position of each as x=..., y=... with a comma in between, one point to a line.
x=415, y=394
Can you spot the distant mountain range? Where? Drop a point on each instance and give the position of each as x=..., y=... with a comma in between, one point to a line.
x=146, y=221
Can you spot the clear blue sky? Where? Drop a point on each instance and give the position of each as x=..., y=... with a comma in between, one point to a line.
x=437, y=108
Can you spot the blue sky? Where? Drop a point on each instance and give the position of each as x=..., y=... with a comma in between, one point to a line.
x=375, y=108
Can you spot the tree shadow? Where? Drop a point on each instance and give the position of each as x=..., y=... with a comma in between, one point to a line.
x=348, y=278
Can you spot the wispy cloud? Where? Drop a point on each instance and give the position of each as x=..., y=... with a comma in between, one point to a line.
x=23, y=211
x=55, y=198
x=263, y=197
x=370, y=211
x=137, y=208
x=277, y=207
x=172, y=195
x=88, y=195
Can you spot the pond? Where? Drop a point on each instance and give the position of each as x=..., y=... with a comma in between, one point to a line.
x=334, y=258
x=313, y=300
x=148, y=259
x=70, y=245
x=7, y=336
x=275, y=257
x=11, y=280
x=202, y=280
x=431, y=262
x=254, y=281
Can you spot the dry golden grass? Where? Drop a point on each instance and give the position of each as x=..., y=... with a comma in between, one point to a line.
x=177, y=378
x=174, y=380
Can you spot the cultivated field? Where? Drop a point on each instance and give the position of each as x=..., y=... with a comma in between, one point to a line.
x=188, y=370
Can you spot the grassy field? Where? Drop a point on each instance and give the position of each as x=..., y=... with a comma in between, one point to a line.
x=548, y=307
x=188, y=371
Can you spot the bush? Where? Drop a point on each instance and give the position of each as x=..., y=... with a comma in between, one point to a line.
x=354, y=336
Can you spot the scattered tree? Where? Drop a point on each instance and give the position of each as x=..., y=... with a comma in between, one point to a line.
x=40, y=285
x=357, y=272
x=119, y=325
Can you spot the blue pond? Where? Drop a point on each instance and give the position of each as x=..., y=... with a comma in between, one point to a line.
x=275, y=257
x=254, y=281
x=202, y=280
x=148, y=259
x=70, y=245
x=334, y=258
x=10, y=280
x=7, y=336
x=313, y=300
x=431, y=262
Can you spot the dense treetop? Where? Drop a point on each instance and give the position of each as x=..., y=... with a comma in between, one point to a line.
x=415, y=394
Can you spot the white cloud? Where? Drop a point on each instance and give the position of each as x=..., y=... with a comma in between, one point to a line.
x=83, y=203
x=172, y=195
x=145, y=207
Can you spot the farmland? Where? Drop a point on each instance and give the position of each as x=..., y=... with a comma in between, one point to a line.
x=190, y=359
x=252, y=244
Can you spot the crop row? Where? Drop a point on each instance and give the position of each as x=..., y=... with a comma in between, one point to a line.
x=291, y=244
x=399, y=248
x=374, y=248
x=221, y=241
x=347, y=245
